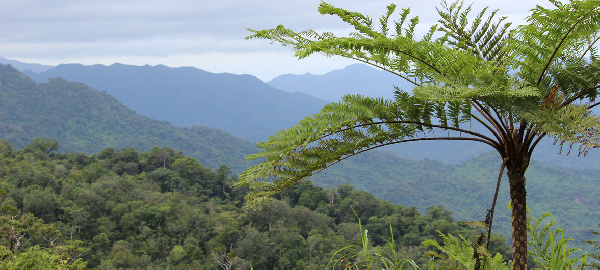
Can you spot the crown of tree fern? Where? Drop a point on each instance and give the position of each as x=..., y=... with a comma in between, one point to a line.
x=536, y=80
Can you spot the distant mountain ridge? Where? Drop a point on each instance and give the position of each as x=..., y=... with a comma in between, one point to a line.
x=85, y=120
x=25, y=66
x=241, y=105
x=244, y=106
x=353, y=79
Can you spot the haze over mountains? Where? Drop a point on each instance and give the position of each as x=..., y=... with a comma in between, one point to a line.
x=332, y=86
x=245, y=107
x=83, y=119
x=241, y=105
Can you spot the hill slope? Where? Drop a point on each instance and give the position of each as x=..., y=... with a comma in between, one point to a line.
x=25, y=66
x=467, y=189
x=240, y=105
x=85, y=120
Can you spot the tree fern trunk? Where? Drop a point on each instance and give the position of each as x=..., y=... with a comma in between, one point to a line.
x=518, y=196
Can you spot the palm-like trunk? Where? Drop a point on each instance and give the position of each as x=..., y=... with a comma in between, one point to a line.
x=516, y=146
x=518, y=196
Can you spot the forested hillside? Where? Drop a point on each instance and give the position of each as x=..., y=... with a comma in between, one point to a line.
x=467, y=189
x=160, y=209
x=240, y=105
x=86, y=120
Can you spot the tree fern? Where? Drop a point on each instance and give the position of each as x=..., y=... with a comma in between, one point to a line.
x=462, y=72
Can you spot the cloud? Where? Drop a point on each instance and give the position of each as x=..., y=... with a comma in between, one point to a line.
x=176, y=31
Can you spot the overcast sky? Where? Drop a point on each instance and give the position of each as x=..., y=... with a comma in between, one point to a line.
x=209, y=35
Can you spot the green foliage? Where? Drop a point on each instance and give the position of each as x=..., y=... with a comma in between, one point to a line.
x=549, y=247
x=459, y=254
x=367, y=257
x=18, y=232
x=596, y=245
x=160, y=209
x=37, y=258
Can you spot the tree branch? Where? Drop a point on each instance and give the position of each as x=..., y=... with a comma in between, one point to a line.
x=402, y=141
x=593, y=105
x=492, y=121
x=536, y=142
x=416, y=58
x=578, y=96
x=488, y=127
x=491, y=211
x=383, y=68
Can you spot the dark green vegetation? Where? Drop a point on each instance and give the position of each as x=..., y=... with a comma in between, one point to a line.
x=240, y=105
x=159, y=209
x=86, y=120
x=572, y=196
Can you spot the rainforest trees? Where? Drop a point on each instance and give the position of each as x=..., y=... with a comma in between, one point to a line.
x=521, y=84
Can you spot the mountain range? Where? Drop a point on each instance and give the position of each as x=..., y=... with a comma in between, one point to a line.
x=245, y=107
x=84, y=119
x=241, y=105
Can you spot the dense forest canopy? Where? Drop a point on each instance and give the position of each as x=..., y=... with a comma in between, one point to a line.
x=158, y=209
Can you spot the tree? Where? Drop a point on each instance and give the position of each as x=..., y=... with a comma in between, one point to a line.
x=538, y=80
x=41, y=147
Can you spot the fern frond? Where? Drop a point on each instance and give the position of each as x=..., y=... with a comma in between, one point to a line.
x=484, y=37
x=340, y=130
x=578, y=80
x=595, y=244
x=420, y=62
x=496, y=92
x=570, y=125
x=551, y=35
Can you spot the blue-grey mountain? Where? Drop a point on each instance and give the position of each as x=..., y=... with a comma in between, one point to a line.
x=353, y=79
x=241, y=105
x=25, y=66
x=83, y=119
